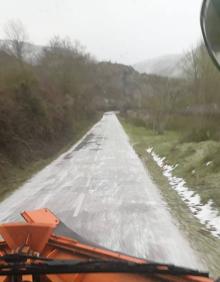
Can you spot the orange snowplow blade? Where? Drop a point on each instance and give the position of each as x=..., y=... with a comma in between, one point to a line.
x=45, y=236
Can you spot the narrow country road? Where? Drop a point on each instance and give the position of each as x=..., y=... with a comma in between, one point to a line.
x=101, y=189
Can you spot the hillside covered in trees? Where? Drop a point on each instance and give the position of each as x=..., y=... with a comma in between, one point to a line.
x=49, y=95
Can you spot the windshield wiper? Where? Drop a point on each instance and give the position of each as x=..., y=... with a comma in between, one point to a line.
x=18, y=266
x=21, y=257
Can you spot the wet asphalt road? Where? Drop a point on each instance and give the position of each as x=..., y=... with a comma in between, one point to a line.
x=101, y=189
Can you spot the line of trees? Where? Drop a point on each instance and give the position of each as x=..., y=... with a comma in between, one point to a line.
x=190, y=103
x=43, y=99
x=48, y=93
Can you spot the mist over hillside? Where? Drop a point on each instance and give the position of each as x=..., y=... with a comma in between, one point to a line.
x=168, y=66
x=31, y=51
x=49, y=94
x=165, y=66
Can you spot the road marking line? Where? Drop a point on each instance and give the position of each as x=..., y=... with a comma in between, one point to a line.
x=80, y=200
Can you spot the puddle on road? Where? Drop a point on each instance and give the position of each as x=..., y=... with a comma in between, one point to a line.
x=89, y=140
x=92, y=140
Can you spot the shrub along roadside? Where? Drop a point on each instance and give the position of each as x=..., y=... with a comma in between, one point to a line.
x=13, y=175
x=46, y=102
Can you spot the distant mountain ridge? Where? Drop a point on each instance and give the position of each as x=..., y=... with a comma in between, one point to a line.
x=168, y=65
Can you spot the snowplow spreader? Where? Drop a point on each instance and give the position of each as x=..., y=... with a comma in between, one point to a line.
x=44, y=249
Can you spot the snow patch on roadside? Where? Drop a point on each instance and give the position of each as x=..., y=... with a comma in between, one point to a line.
x=206, y=214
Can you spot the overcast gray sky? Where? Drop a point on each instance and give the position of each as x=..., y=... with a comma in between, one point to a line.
x=126, y=31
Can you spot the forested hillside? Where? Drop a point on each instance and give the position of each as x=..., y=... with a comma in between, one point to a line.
x=190, y=104
x=166, y=66
x=49, y=95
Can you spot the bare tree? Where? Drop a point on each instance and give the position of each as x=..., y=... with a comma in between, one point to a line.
x=16, y=37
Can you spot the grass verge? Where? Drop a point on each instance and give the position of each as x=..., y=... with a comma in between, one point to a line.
x=169, y=146
x=198, y=162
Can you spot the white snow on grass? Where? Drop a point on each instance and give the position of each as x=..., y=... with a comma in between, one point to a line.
x=209, y=163
x=206, y=213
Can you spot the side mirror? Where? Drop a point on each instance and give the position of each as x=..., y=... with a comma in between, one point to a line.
x=210, y=24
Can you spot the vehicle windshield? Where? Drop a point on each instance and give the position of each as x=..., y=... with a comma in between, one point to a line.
x=109, y=129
